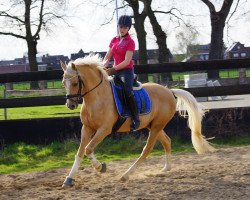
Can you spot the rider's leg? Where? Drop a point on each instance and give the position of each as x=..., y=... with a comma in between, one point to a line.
x=127, y=77
x=134, y=112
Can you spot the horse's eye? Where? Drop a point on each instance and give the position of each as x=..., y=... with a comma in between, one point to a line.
x=74, y=84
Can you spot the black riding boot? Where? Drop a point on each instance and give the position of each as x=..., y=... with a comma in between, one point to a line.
x=135, y=122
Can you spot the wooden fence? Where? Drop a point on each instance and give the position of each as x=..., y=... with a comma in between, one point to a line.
x=219, y=122
x=139, y=69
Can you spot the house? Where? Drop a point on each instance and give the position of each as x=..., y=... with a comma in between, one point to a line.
x=152, y=55
x=201, y=52
x=14, y=68
x=197, y=52
x=16, y=61
x=237, y=50
x=80, y=54
x=52, y=62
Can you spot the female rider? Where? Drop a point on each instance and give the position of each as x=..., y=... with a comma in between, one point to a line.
x=121, y=48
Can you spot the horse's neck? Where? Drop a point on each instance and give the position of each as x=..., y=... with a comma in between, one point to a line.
x=96, y=90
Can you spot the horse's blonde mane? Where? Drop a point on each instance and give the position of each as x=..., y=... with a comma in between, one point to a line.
x=91, y=60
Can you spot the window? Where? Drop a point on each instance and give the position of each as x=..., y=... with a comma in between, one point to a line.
x=243, y=54
x=236, y=55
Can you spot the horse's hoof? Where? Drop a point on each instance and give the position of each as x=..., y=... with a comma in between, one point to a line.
x=104, y=168
x=69, y=182
x=166, y=169
x=124, y=178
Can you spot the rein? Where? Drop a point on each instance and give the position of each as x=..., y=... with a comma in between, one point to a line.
x=79, y=95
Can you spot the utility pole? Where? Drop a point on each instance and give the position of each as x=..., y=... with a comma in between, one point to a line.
x=5, y=96
x=116, y=9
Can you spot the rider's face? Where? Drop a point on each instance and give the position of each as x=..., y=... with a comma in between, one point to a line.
x=123, y=30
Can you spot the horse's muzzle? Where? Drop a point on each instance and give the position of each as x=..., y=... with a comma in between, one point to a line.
x=71, y=104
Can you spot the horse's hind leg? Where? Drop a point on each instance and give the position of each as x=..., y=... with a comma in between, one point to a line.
x=146, y=150
x=86, y=134
x=166, y=143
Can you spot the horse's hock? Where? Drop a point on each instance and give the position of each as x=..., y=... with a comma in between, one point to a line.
x=196, y=80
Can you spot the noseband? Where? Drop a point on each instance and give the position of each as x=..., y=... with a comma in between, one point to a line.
x=79, y=94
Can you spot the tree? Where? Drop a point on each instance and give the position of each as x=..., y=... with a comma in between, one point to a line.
x=139, y=20
x=161, y=37
x=185, y=37
x=25, y=19
x=218, y=20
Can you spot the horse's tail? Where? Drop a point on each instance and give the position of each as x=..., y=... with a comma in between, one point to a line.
x=187, y=102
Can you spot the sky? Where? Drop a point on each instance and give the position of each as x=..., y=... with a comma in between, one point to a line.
x=86, y=33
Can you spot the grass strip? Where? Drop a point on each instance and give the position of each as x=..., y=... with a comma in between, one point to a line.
x=21, y=157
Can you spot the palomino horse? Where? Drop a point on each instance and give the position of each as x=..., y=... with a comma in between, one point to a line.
x=85, y=78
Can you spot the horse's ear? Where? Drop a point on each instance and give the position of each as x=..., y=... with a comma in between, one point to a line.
x=73, y=66
x=63, y=66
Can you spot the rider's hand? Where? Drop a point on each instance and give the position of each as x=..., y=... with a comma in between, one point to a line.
x=110, y=71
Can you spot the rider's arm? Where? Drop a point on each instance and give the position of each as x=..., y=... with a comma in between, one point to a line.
x=107, y=58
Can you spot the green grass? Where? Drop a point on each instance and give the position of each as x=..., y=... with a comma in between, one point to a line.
x=232, y=141
x=248, y=72
x=232, y=73
x=22, y=157
x=26, y=85
x=39, y=112
x=21, y=86
x=54, y=84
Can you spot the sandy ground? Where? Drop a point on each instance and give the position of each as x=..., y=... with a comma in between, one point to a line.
x=221, y=175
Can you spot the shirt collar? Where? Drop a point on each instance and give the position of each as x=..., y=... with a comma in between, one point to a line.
x=126, y=37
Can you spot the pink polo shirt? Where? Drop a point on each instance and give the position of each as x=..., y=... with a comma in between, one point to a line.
x=120, y=47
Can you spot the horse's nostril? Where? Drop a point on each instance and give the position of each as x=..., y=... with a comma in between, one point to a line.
x=71, y=105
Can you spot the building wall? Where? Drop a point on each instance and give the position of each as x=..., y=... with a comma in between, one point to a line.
x=14, y=68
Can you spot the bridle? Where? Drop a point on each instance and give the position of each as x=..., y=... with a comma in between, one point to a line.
x=79, y=94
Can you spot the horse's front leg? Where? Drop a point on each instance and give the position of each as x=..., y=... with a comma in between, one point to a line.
x=86, y=134
x=89, y=150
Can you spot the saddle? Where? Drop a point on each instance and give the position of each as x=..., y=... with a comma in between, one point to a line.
x=142, y=99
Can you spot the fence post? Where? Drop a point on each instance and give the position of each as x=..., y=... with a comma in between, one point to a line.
x=242, y=75
x=4, y=96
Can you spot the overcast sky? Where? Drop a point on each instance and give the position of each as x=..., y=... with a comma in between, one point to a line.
x=87, y=33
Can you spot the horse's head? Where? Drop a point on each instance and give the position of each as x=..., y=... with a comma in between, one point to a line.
x=72, y=84
x=88, y=69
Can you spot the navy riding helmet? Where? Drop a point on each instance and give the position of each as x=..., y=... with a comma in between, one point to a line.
x=125, y=20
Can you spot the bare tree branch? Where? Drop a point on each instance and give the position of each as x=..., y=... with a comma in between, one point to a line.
x=36, y=35
x=113, y=14
x=234, y=11
x=209, y=5
x=36, y=16
x=12, y=34
x=5, y=14
x=173, y=14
